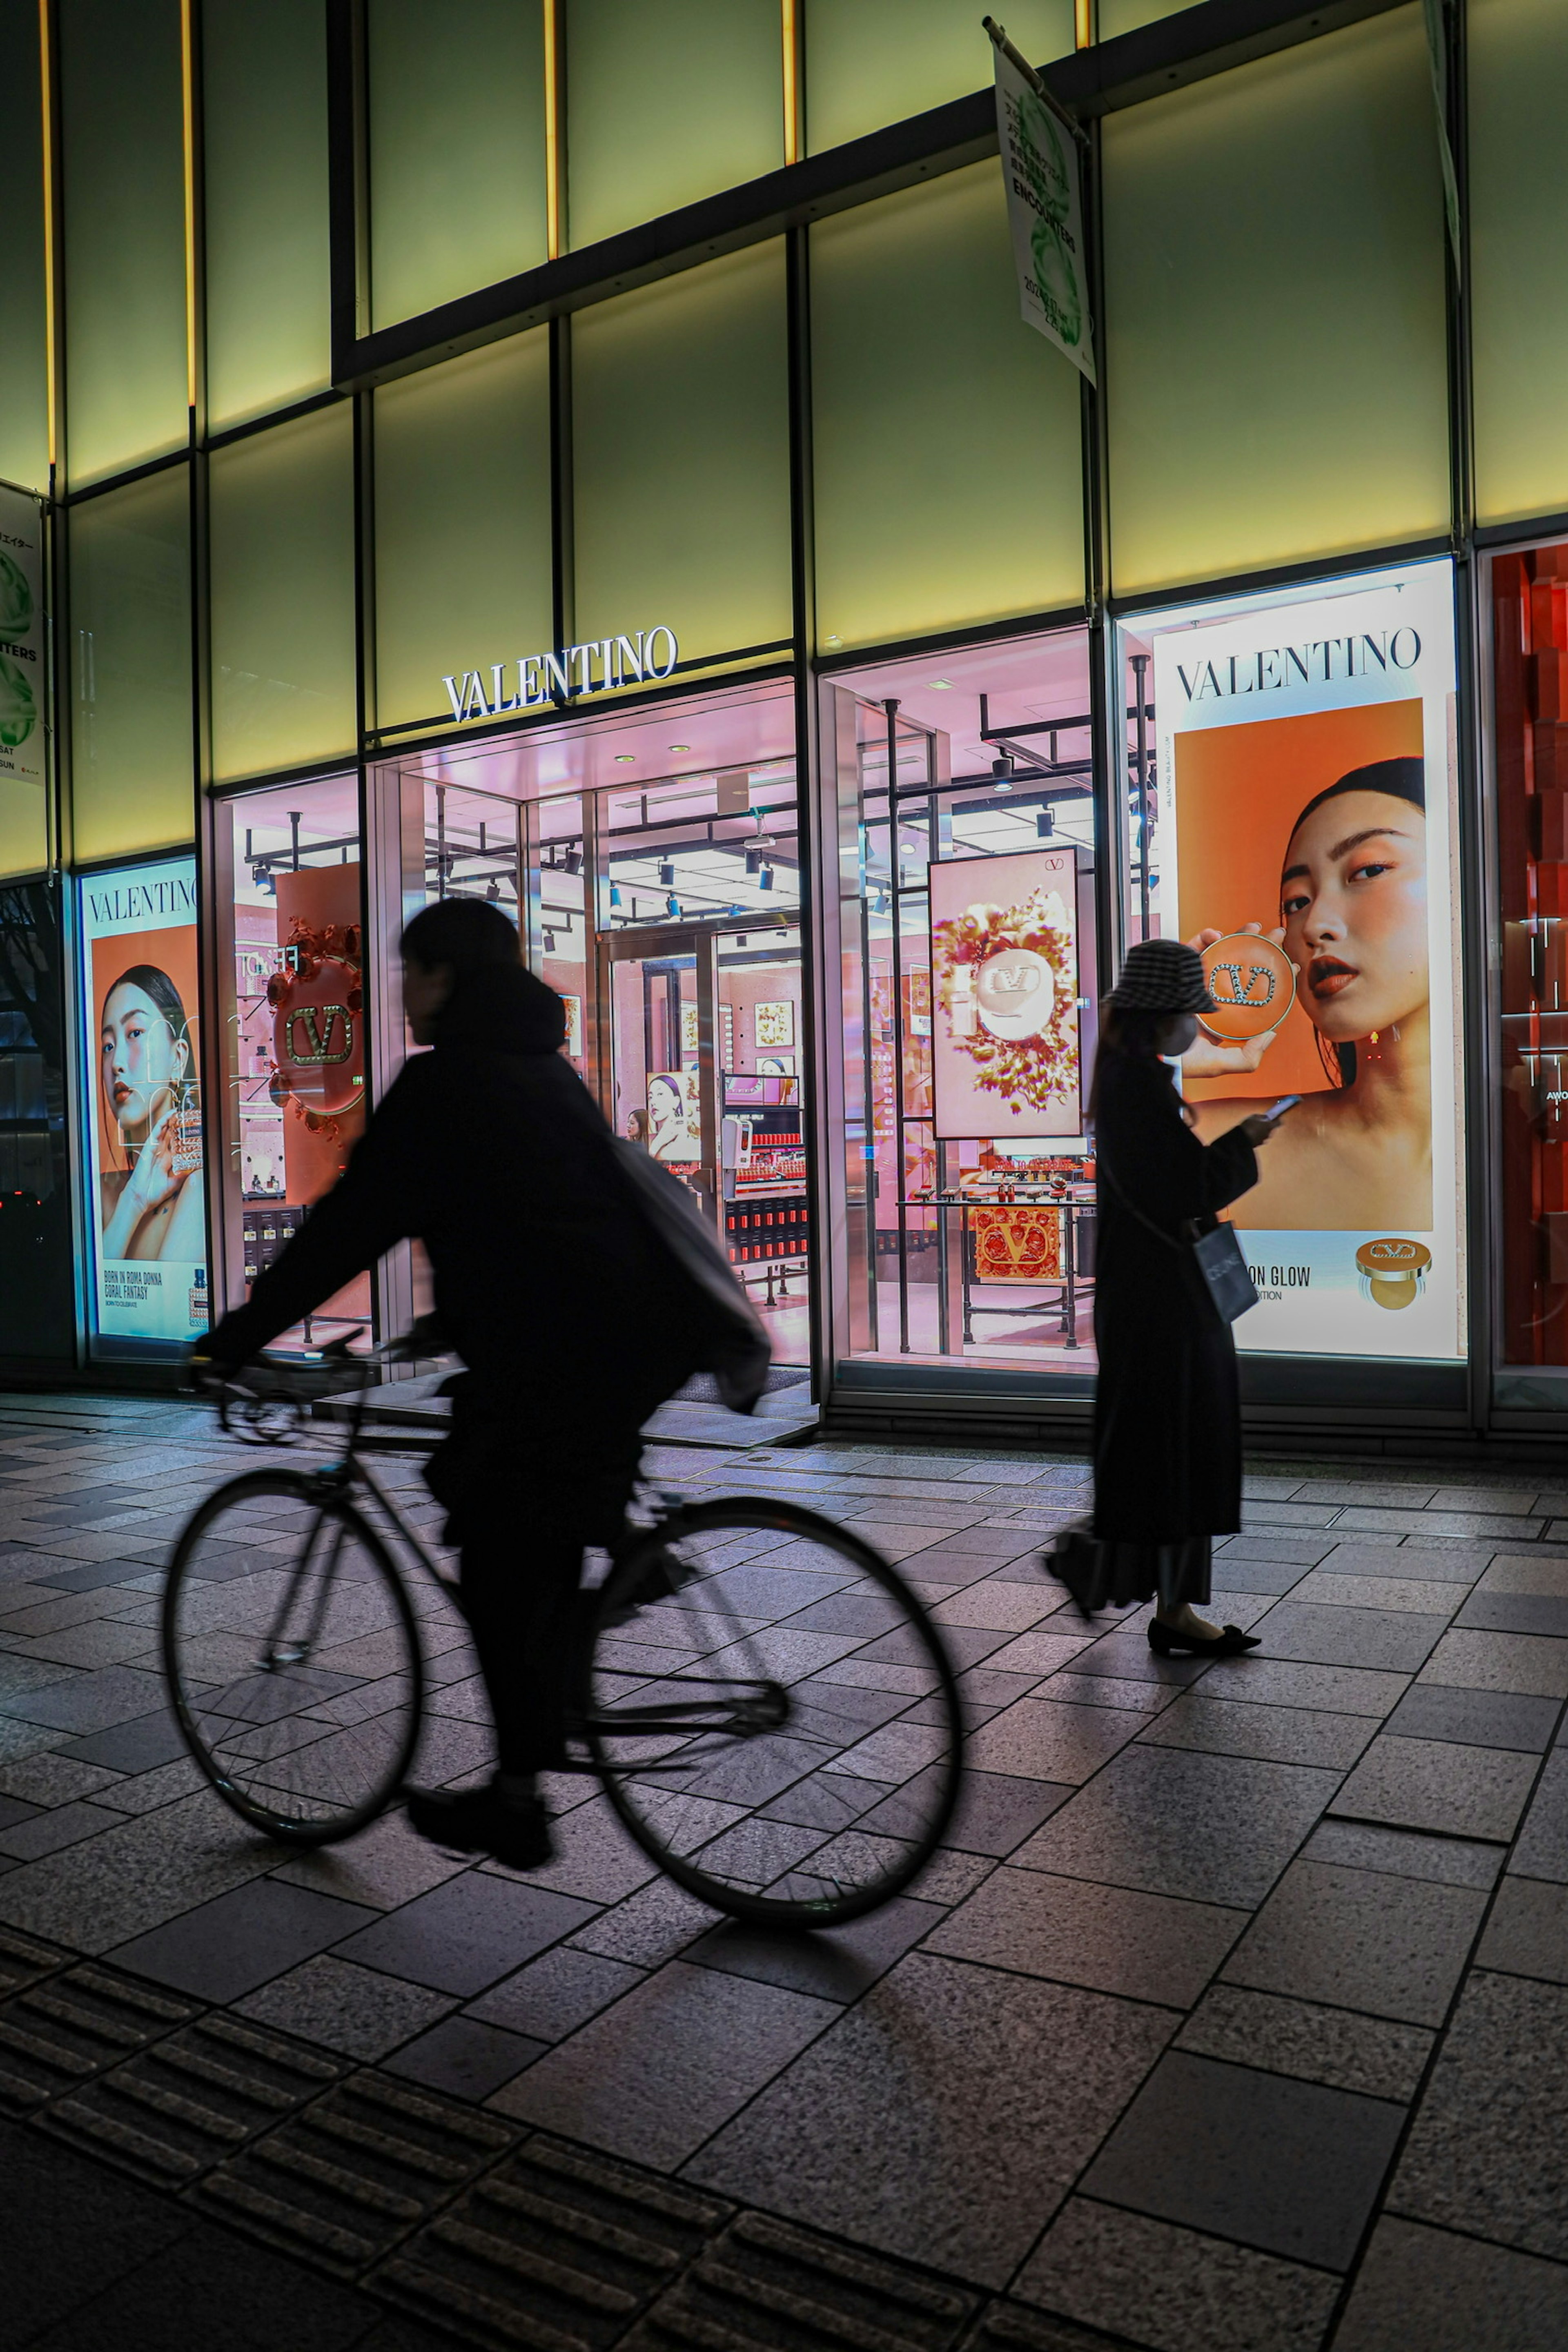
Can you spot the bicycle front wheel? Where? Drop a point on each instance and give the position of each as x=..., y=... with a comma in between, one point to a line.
x=772, y=1713
x=293, y=1657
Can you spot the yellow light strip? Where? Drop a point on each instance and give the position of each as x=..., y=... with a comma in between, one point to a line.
x=791, y=85
x=1083, y=29
x=551, y=130
x=188, y=96
x=46, y=77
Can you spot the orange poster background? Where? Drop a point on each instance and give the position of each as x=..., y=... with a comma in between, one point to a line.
x=1240, y=789
x=172, y=950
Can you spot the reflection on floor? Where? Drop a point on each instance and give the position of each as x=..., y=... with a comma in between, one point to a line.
x=1021, y=1328
x=1233, y=2013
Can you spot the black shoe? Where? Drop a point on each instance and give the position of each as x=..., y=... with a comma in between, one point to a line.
x=481, y=1820
x=1228, y=1643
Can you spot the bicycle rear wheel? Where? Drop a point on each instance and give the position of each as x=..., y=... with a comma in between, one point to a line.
x=772, y=1713
x=293, y=1657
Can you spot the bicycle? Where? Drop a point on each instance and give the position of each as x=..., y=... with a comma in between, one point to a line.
x=766, y=1703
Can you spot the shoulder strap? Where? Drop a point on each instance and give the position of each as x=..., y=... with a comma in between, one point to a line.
x=1102, y=1168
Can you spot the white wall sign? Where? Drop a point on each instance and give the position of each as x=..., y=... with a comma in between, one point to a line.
x=22, y=664
x=597, y=666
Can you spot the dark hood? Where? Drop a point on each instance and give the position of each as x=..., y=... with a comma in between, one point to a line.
x=504, y=1008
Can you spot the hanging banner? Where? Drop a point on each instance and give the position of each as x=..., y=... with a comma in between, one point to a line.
x=22, y=660
x=143, y=1122
x=1045, y=213
x=1004, y=978
x=1307, y=747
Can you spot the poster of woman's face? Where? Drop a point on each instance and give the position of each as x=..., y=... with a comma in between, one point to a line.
x=145, y=1134
x=674, y=1117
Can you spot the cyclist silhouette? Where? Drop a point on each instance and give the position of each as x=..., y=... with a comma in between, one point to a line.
x=558, y=1286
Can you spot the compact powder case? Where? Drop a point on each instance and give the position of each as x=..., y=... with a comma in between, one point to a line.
x=1253, y=984
x=1392, y=1271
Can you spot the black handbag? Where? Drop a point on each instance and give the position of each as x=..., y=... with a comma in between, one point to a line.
x=1217, y=1255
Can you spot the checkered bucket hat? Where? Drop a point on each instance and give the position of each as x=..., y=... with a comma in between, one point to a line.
x=1163, y=976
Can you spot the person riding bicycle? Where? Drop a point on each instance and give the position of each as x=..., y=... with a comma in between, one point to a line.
x=554, y=1282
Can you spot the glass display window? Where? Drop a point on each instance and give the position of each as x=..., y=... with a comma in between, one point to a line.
x=298, y=1034
x=967, y=943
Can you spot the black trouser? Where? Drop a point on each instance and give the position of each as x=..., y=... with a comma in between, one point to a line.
x=519, y=1585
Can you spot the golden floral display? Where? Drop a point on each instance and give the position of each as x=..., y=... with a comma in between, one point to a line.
x=1018, y=1244
x=1029, y=1069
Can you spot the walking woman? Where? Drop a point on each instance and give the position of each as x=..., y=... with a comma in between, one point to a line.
x=1167, y=1424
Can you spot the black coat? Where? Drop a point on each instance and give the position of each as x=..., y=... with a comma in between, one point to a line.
x=1167, y=1414
x=573, y=1318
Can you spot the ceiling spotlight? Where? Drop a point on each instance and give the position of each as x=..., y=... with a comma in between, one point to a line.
x=492, y=890
x=1002, y=771
x=625, y=759
x=739, y=939
x=1045, y=822
x=765, y=879
x=941, y=685
x=665, y=872
x=614, y=894
x=572, y=861
x=672, y=906
x=550, y=943
x=680, y=746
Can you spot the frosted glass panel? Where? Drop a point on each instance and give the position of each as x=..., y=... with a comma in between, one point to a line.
x=1518, y=235
x=947, y=432
x=24, y=359
x=123, y=120
x=457, y=149
x=869, y=62
x=681, y=456
x=131, y=678
x=1274, y=293
x=264, y=67
x=668, y=101
x=1126, y=15
x=283, y=596
x=462, y=523
x=24, y=828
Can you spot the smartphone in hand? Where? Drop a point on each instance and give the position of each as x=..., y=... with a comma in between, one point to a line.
x=1277, y=1110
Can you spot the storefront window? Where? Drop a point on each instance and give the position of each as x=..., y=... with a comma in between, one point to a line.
x=968, y=949
x=297, y=1036
x=35, y=1197
x=1530, y=612
x=1297, y=802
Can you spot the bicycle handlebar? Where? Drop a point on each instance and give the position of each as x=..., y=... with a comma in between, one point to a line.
x=266, y=1399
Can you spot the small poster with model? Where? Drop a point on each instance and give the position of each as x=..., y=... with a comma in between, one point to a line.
x=675, y=1118
x=1003, y=994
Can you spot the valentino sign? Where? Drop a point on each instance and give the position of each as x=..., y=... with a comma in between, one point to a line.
x=533, y=679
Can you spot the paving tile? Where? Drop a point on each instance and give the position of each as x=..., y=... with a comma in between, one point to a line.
x=105, y=1642
x=1287, y=1735
x=1392, y=1639
x=1125, y=1654
x=1417, y=1596
x=95, y=2226
x=1361, y=1940
x=1240, y=1572
x=1288, y=2166
x=836, y=1964
x=1445, y=2293
x=1219, y=1829
x=239, y=1941
x=1527, y=1933
x=648, y=1927
x=1405, y=1853
x=1487, y=2152
x=1296, y=1516
x=1110, y=1939
x=468, y=1932
x=1037, y=1740
x=1282, y=1682
x=1377, y=2055
x=1438, y=1785
x=383, y=1866
x=1152, y=2284
x=555, y=1994
x=1542, y=1848
x=1003, y=1607
x=1106, y=1690
x=1434, y=1563
x=1475, y=1718
x=654, y=2076
x=1515, y=1613
x=33, y=1833
x=1300, y=1550
x=1540, y=1571
x=943, y=2075
x=50, y=1778
x=1358, y=1519
x=1502, y=1662
x=356, y=2010
x=1522, y=1499
x=134, y=1875
x=465, y=2058
x=139, y=1745
x=594, y=1859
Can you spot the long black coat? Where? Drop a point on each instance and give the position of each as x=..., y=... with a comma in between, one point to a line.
x=573, y=1318
x=1167, y=1414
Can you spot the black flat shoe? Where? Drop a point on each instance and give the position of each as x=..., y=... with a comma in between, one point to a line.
x=1229, y=1642
x=480, y=1821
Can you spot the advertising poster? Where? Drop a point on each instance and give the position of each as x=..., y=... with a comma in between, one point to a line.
x=675, y=1116
x=22, y=665
x=1004, y=983
x=144, y=1125
x=1044, y=216
x=1310, y=854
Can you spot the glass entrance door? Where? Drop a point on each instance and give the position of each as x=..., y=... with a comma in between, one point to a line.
x=660, y=1086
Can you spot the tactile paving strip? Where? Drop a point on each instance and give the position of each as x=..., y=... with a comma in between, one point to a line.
x=342, y=2180
x=24, y=1960
x=62, y=2030
x=187, y=2102
x=767, y=2286
x=560, y=2248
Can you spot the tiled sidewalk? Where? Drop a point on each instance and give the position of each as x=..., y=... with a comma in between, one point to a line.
x=1234, y=2015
